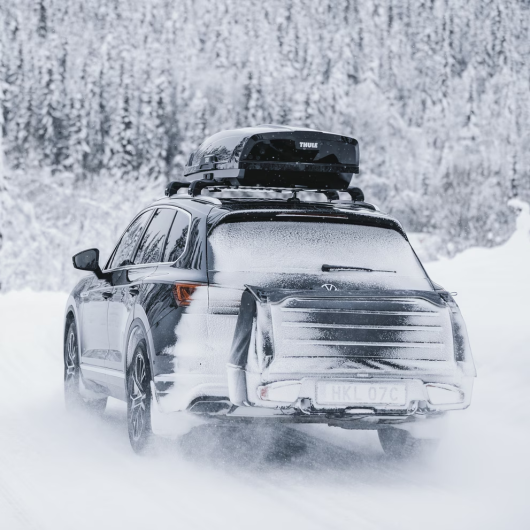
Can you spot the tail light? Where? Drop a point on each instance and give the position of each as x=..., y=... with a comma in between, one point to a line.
x=183, y=293
x=461, y=344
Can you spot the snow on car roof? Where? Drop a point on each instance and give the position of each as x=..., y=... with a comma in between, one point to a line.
x=217, y=208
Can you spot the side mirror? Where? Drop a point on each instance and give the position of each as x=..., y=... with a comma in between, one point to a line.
x=88, y=260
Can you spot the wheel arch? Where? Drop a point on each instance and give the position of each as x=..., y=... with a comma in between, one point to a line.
x=70, y=316
x=137, y=324
x=71, y=312
x=68, y=319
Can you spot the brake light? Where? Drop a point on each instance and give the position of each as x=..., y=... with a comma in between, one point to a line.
x=462, y=348
x=183, y=292
x=315, y=215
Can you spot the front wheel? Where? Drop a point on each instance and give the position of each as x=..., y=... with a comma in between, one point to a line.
x=73, y=398
x=139, y=399
x=399, y=443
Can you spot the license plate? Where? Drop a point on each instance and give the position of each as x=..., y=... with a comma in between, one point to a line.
x=361, y=393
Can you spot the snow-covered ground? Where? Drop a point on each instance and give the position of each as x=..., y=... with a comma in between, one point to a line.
x=59, y=472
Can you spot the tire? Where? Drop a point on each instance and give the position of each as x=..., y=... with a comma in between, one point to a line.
x=399, y=443
x=139, y=399
x=73, y=399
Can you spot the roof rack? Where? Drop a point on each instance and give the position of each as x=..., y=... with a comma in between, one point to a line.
x=195, y=189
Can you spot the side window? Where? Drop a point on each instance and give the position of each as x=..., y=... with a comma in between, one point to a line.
x=122, y=255
x=176, y=242
x=152, y=244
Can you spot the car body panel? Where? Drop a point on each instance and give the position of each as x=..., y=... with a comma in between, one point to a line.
x=94, y=308
x=190, y=346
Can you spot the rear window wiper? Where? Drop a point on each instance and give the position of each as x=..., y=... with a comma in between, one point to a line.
x=330, y=268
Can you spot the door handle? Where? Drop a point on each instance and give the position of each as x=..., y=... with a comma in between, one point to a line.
x=134, y=291
x=107, y=294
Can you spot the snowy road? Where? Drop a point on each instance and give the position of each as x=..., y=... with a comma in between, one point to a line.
x=59, y=472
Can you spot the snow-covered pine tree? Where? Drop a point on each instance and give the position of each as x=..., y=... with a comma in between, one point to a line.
x=436, y=91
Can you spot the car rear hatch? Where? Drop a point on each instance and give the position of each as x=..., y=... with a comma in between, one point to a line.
x=311, y=336
x=326, y=297
x=364, y=331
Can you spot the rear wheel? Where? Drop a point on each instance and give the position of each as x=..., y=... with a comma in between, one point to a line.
x=73, y=398
x=399, y=443
x=139, y=399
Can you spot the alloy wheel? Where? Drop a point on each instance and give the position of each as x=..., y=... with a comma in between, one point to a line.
x=72, y=396
x=139, y=400
x=70, y=356
x=138, y=397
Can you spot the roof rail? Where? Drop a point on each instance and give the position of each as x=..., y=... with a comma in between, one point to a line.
x=195, y=189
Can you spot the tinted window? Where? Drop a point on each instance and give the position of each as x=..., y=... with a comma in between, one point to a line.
x=152, y=243
x=124, y=251
x=176, y=242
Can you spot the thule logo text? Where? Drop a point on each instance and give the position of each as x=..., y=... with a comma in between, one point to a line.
x=308, y=145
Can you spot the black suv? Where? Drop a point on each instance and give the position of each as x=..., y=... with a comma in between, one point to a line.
x=265, y=288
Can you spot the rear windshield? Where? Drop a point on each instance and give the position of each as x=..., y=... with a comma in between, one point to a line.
x=271, y=248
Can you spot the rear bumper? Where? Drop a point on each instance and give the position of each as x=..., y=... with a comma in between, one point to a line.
x=420, y=423
x=418, y=415
x=402, y=338
x=418, y=391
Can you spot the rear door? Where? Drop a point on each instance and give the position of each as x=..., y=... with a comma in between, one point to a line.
x=157, y=289
x=146, y=257
x=119, y=304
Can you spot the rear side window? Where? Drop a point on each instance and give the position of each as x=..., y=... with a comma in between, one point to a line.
x=153, y=242
x=123, y=254
x=178, y=235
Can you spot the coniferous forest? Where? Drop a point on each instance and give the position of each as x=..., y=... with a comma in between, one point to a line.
x=102, y=101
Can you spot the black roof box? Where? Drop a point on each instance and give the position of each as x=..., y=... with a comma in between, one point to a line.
x=277, y=156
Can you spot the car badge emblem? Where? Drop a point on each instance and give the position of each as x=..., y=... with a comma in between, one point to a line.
x=329, y=287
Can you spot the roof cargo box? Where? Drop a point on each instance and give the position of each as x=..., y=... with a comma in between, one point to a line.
x=276, y=156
